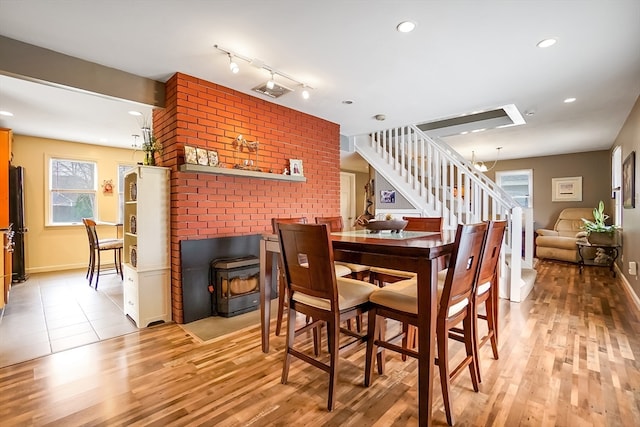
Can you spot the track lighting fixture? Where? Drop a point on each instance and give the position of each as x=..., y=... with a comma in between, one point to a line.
x=271, y=83
x=305, y=92
x=270, y=88
x=233, y=66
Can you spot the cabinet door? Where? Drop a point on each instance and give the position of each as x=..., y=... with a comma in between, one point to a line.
x=6, y=137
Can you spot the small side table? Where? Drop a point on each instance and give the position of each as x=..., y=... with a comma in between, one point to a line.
x=610, y=250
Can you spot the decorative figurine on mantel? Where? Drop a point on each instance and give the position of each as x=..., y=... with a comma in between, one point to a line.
x=285, y=171
x=240, y=144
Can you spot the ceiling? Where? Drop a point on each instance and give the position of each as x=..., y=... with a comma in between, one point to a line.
x=463, y=56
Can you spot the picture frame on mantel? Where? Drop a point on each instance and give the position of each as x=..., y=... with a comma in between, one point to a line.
x=567, y=189
x=629, y=181
x=190, y=156
x=295, y=167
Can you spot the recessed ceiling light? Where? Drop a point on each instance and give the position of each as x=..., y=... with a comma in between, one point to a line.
x=406, y=26
x=135, y=113
x=569, y=100
x=380, y=117
x=6, y=113
x=546, y=43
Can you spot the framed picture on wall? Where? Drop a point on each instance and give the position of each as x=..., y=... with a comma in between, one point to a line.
x=295, y=166
x=566, y=189
x=629, y=181
x=203, y=156
x=387, y=196
x=213, y=158
x=190, y=156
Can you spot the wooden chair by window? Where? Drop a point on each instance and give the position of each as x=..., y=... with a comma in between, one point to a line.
x=399, y=301
x=96, y=247
x=380, y=276
x=316, y=291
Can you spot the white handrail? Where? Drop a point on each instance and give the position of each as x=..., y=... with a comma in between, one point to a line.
x=440, y=182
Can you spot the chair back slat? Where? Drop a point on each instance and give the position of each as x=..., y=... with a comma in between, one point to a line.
x=296, y=220
x=463, y=265
x=307, y=256
x=423, y=223
x=491, y=251
x=335, y=223
x=92, y=234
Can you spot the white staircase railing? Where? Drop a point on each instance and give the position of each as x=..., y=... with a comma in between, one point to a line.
x=438, y=181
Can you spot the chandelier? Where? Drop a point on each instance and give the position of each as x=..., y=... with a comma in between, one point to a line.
x=481, y=166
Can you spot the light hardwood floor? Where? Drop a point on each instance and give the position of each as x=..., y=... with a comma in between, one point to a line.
x=569, y=356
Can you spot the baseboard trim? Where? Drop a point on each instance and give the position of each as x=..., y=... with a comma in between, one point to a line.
x=628, y=289
x=52, y=268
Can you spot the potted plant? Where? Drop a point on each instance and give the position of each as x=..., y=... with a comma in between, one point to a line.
x=598, y=230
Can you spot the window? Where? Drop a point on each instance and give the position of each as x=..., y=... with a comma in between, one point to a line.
x=122, y=170
x=72, y=191
x=616, y=184
x=518, y=184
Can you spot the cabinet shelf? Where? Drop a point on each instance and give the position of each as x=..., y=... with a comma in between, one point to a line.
x=146, y=265
x=240, y=172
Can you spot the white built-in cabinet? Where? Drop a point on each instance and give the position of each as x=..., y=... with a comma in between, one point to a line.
x=147, y=272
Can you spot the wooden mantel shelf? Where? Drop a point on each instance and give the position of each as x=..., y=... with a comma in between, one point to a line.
x=239, y=172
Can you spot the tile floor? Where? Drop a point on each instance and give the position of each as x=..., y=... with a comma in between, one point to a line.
x=51, y=312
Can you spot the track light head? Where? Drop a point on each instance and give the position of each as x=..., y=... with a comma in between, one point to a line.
x=305, y=92
x=233, y=66
x=271, y=83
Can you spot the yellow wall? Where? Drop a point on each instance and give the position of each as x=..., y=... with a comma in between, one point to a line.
x=50, y=248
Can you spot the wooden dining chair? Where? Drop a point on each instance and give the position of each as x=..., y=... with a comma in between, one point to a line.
x=96, y=247
x=336, y=224
x=341, y=270
x=358, y=271
x=486, y=289
x=316, y=291
x=280, y=274
x=399, y=301
x=381, y=276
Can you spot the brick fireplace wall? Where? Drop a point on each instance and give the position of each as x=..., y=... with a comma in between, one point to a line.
x=203, y=114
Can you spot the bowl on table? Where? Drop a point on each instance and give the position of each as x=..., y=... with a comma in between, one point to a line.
x=393, y=225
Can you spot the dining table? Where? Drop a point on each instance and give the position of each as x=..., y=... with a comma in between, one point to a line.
x=408, y=251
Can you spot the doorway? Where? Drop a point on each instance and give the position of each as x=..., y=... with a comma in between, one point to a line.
x=348, y=199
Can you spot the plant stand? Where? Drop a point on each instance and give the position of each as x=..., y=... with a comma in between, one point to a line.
x=607, y=252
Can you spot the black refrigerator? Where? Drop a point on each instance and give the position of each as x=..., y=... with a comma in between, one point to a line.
x=16, y=217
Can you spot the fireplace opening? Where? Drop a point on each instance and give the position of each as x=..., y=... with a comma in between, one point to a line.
x=234, y=284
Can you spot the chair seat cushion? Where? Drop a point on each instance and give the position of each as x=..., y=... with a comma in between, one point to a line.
x=351, y=293
x=111, y=244
x=403, y=296
x=483, y=287
x=355, y=268
x=341, y=270
x=391, y=272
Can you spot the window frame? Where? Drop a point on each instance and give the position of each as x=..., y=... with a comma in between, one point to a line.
x=50, y=159
x=499, y=175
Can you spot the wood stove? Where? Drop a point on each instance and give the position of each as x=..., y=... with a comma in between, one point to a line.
x=235, y=285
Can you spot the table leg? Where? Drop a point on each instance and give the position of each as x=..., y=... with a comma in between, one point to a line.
x=266, y=262
x=581, y=262
x=614, y=251
x=427, y=315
